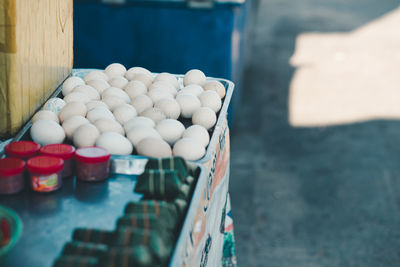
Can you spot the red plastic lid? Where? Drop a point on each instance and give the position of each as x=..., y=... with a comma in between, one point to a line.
x=22, y=149
x=11, y=166
x=45, y=164
x=92, y=155
x=63, y=151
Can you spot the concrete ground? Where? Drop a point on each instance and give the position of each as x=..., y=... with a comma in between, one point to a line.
x=310, y=187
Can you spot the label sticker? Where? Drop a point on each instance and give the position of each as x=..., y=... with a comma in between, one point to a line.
x=45, y=183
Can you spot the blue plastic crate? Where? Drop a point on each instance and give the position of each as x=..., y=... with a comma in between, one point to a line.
x=162, y=36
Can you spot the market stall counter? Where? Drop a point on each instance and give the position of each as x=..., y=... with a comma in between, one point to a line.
x=206, y=233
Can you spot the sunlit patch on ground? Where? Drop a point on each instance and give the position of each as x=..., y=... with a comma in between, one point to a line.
x=349, y=77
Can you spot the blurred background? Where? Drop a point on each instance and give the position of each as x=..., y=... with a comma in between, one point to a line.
x=314, y=118
x=165, y=36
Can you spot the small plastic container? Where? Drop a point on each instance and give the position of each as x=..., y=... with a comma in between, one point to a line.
x=45, y=173
x=64, y=151
x=22, y=149
x=11, y=175
x=92, y=164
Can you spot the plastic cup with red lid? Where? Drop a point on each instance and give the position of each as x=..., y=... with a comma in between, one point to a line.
x=22, y=149
x=92, y=164
x=64, y=151
x=11, y=175
x=45, y=173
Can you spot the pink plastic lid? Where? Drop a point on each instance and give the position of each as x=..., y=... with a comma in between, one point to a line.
x=11, y=166
x=22, y=149
x=92, y=155
x=63, y=151
x=45, y=165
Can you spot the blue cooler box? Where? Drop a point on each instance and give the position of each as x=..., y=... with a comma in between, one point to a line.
x=164, y=36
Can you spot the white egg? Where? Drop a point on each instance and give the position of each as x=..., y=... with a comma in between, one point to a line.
x=114, y=143
x=119, y=82
x=199, y=133
x=169, y=107
x=194, y=77
x=45, y=115
x=99, y=113
x=210, y=99
x=154, y=113
x=165, y=86
x=135, y=88
x=113, y=102
x=45, y=132
x=95, y=103
x=192, y=89
x=95, y=75
x=154, y=147
x=114, y=70
x=189, y=149
x=132, y=72
x=138, y=121
x=141, y=103
x=54, y=104
x=124, y=113
x=70, y=84
x=138, y=133
x=87, y=90
x=85, y=135
x=99, y=85
x=73, y=123
x=205, y=117
x=215, y=86
x=170, y=130
x=145, y=78
x=118, y=92
x=77, y=97
x=108, y=125
x=189, y=103
x=71, y=109
x=158, y=94
x=167, y=77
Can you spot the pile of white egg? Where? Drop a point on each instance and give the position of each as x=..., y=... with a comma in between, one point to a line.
x=125, y=110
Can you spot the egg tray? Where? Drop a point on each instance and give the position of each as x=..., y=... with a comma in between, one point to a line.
x=77, y=204
x=134, y=164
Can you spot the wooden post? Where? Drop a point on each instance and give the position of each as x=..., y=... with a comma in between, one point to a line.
x=36, y=55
